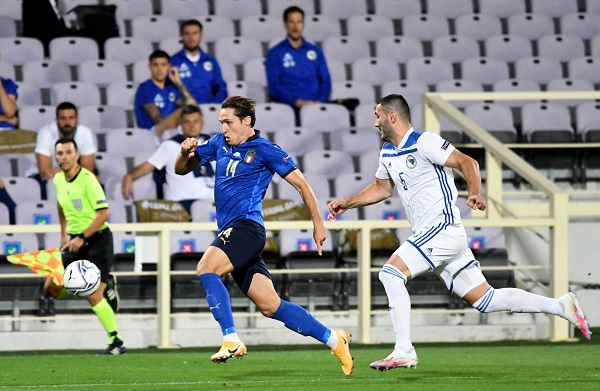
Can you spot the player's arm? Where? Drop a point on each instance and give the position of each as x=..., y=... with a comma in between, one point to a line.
x=45, y=168
x=470, y=169
x=8, y=103
x=88, y=162
x=186, y=97
x=135, y=173
x=375, y=192
x=185, y=160
x=296, y=179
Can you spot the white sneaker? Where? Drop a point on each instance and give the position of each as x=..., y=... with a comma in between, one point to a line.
x=396, y=360
x=574, y=314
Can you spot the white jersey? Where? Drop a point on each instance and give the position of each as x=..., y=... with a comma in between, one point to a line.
x=180, y=187
x=426, y=187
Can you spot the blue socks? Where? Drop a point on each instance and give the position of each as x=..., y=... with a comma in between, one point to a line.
x=301, y=321
x=218, y=301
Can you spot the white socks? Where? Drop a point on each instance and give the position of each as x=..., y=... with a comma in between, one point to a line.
x=394, y=283
x=333, y=340
x=517, y=300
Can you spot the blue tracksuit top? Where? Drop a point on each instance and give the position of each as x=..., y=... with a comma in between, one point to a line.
x=164, y=98
x=203, y=79
x=294, y=74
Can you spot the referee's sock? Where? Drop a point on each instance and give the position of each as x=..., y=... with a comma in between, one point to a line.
x=106, y=315
x=219, y=301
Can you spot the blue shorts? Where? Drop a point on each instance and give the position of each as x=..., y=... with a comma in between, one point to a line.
x=243, y=242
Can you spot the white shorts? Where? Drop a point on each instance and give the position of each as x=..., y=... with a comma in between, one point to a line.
x=444, y=250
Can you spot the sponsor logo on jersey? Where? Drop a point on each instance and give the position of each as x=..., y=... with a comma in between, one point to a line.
x=159, y=101
x=311, y=55
x=208, y=66
x=184, y=71
x=288, y=61
x=445, y=145
x=411, y=161
x=249, y=158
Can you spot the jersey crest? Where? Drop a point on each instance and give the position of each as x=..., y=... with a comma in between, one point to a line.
x=411, y=161
x=249, y=158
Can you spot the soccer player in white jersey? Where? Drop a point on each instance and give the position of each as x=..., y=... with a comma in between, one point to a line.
x=419, y=165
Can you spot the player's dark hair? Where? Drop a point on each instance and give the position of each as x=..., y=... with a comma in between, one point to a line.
x=66, y=140
x=397, y=104
x=65, y=106
x=191, y=109
x=290, y=10
x=190, y=22
x=159, y=54
x=242, y=107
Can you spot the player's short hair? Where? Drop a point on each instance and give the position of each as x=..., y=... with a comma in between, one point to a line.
x=290, y=10
x=190, y=22
x=397, y=104
x=242, y=107
x=191, y=109
x=66, y=106
x=159, y=54
x=66, y=140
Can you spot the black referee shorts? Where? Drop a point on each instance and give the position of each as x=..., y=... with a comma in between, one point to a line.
x=98, y=249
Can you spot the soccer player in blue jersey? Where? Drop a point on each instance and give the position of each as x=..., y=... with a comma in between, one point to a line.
x=158, y=100
x=199, y=71
x=419, y=166
x=245, y=164
x=297, y=72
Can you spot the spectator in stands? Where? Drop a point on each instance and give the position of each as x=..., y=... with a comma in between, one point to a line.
x=185, y=189
x=419, y=165
x=66, y=125
x=8, y=104
x=297, y=72
x=158, y=100
x=43, y=20
x=85, y=234
x=199, y=71
x=7, y=200
x=246, y=163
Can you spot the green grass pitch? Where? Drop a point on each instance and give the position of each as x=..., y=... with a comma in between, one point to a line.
x=489, y=366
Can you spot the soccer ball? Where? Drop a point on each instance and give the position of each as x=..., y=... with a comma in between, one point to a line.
x=81, y=278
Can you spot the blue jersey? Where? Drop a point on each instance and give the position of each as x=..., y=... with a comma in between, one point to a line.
x=294, y=74
x=203, y=78
x=164, y=98
x=11, y=89
x=242, y=175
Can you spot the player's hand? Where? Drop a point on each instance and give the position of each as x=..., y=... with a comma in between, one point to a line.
x=319, y=235
x=188, y=146
x=127, y=186
x=73, y=245
x=174, y=75
x=476, y=202
x=336, y=207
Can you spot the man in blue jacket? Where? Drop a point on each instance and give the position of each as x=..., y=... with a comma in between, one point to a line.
x=199, y=71
x=296, y=70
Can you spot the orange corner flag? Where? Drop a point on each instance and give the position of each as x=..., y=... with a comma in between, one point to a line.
x=47, y=263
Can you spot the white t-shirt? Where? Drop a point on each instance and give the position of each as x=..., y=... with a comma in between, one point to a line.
x=47, y=136
x=180, y=187
x=426, y=187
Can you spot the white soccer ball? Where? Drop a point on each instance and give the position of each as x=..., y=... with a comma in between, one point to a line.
x=81, y=278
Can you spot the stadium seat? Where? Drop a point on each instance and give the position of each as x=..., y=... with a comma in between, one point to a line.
x=389, y=209
x=4, y=215
x=84, y=94
x=364, y=114
x=182, y=9
x=425, y=27
x=44, y=74
x=203, y=211
x=588, y=117
x=298, y=141
x=374, y=70
x=369, y=27
x=507, y=48
x=398, y=48
x=8, y=27
x=7, y=70
x=210, y=113
x=118, y=213
x=397, y=9
x=319, y=184
x=496, y=118
x=237, y=50
x=317, y=28
x=35, y=117
x=127, y=50
x=449, y=9
x=254, y=71
x=250, y=90
x=129, y=9
x=190, y=241
x=103, y=117
x=11, y=8
x=16, y=243
x=553, y=8
x=154, y=28
x=343, y=9
x=109, y=165
x=515, y=85
x=73, y=50
x=271, y=117
x=349, y=184
x=36, y=212
x=324, y=116
x=215, y=27
x=368, y=163
x=6, y=169
x=19, y=50
x=363, y=91
x=531, y=26
x=354, y=141
x=538, y=69
x=121, y=94
x=411, y=90
x=22, y=189
x=102, y=72
x=455, y=85
x=29, y=94
x=455, y=48
x=262, y=27
x=237, y=9
x=345, y=49
x=570, y=84
x=276, y=7
x=587, y=68
x=120, y=141
x=580, y=24
x=501, y=9
x=484, y=70
x=144, y=188
x=478, y=26
x=429, y=70
x=24, y=162
x=328, y=163
x=560, y=47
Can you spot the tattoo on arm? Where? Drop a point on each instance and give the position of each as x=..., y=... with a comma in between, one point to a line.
x=153, y=112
